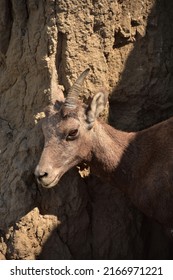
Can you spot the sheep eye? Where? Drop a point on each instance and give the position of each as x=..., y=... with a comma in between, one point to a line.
x=72, y=134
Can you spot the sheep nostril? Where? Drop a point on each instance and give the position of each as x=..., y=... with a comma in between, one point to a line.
x=42, y=175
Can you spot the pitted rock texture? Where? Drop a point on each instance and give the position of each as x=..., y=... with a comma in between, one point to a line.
x=47, y=44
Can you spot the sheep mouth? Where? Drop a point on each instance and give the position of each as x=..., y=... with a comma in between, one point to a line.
x=53, y=182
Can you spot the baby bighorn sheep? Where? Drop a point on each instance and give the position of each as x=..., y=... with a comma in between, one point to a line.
x=138, y=163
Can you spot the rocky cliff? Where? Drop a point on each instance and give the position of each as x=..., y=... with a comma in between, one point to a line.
x=47, y=44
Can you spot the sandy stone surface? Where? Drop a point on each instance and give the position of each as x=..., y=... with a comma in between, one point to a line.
x=45, y=45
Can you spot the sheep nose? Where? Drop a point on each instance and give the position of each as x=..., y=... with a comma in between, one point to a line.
x=40, y=175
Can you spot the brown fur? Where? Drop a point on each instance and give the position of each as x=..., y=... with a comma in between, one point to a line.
x=140, y=164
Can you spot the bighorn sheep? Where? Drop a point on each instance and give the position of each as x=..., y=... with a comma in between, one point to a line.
x=138, y=163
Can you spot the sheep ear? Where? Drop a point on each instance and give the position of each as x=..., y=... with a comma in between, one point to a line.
x=57, y=105
x=53, y=108
x=57, y=98
x=97, y=105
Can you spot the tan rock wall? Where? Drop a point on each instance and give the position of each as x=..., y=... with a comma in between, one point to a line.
x=128, y=46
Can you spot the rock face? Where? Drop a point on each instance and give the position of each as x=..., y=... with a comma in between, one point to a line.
x=43, y=44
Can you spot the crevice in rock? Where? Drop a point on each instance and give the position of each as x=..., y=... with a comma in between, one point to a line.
x=6, y=24
x=59, y=56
